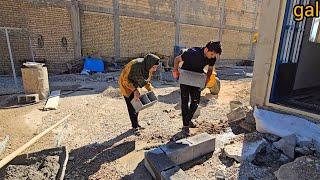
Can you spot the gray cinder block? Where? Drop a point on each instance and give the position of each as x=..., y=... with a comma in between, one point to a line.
x=202, y=144
x=179, y=152
x=145, y=101
x=191, y=148
x=192, y=78
x=157, y=161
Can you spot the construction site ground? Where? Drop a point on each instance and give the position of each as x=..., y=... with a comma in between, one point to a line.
x=98, y=136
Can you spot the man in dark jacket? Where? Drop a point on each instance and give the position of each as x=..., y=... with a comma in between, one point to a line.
x=194, y=59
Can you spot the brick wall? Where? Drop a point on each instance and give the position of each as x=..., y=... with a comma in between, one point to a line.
x=142, y=36
x=52, y=21
x=197, y=36
x=12, y=17
x=53, y=24
x=97, y=33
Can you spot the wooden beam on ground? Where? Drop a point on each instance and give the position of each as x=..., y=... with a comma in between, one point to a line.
x=11, y=156
x=53, y=101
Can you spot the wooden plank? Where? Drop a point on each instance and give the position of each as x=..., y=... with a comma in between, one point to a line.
x=11, y=156
x=53, y=100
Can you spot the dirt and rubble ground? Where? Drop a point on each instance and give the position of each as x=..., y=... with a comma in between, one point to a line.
x=98, y=136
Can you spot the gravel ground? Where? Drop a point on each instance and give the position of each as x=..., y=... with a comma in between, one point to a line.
x=98, y=134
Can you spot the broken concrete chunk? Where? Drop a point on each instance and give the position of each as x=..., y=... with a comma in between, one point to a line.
x=237, y=114
x=235, y=104
x=287, y=145
x=303, y=151
x=174, y=173
x=245, y=148
x=271, y=138
x=305, y=167
x=157, y=161
x=220, y=175
x=284, y=159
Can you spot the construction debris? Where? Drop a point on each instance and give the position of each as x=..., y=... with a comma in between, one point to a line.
x=53, y=101
x=244, y=147
x=304, y=151
x=268, y=122
x=237, y=114
x=305, y=167
x=287, y=145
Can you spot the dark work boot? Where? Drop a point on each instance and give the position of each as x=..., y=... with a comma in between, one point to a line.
x=186, y=131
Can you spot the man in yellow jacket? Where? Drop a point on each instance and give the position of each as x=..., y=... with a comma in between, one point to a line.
x=137, y=74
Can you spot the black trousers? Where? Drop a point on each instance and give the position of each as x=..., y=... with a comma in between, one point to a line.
x=132, y=113
x=188, y=112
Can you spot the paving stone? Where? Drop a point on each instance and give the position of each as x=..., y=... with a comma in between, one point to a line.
x=157, y=161
x=175, y=173
x=179, y=152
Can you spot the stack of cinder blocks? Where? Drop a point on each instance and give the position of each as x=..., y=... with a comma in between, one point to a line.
x=163, y=162
x=145, y=101
x=192, y=78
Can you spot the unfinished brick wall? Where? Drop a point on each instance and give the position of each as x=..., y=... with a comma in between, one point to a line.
x=145, y=25
x=142, y=36
x=102, y=3
x=12, y=17
x=197, y=36
x=97, y=33
x=53, y=24
x=236, y=44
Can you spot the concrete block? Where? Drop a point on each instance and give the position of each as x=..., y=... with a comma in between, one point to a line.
x=202, y=144
x=157, y=161
x=28, y=98
x=145, y=101
x=186, y=150
x=192, y=78
x=174, y=173
x=179, y=152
